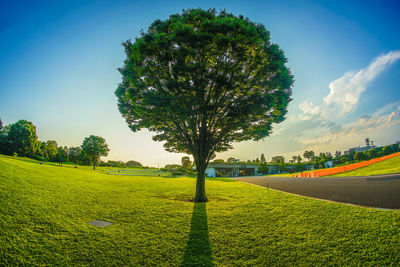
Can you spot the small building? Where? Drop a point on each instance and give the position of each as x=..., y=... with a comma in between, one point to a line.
x=219, y=169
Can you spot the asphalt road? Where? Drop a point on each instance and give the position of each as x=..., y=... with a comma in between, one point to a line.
x=381, y=191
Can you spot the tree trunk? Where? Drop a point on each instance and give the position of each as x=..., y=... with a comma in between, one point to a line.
x=200, y=183
x=94, y=166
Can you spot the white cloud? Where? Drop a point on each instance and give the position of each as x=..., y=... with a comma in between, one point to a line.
x=366, y=125
x=309, y=110
x=345, y=91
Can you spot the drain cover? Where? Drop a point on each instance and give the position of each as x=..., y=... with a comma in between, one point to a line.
x=100, y=223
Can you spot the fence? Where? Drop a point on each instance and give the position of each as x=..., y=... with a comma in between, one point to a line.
x=350, y=167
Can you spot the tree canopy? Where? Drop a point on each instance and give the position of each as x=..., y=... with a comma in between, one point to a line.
x=94, y=147
x=133, y=163
x=202, y=80
x=22, y=138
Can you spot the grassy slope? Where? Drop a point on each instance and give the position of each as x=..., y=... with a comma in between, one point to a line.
x=384, y=167
x=44, y=212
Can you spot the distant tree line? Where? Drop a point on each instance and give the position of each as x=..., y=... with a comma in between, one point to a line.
x=20, y=139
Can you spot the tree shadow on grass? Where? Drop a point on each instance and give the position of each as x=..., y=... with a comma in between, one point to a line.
x=198, y=249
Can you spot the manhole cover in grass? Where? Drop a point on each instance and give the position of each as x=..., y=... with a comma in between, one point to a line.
x=100, y=223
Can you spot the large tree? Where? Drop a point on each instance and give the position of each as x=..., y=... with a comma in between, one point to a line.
x=202, y=80
x=94, y=147
x=22, y=138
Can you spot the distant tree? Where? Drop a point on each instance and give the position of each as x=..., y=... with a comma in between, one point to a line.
x=263, y=168
x=62, y=155
x=299, y=159
x=257, y=160
x=328, y=155
x=73, y=154
x=278, y=159
x=322, y=156
x=387, y=150
x=232, y=160
x=372, y=153
x=51, y=149
x=1, y=125
x=203, y=80
x=22, y=138
x=248, y=161
x=299, y=167
x=218, y=160
x=338, y=154
x=263, y=160
x=95, y=147
x=114, y=163
x=186, y=162
x=308, y=155
x=372, y=143
x=360, y=156
x=133, y=163
x=367, y=142
x=395, y=147
x=294, y=159
x=282, y=166
x=317, y=162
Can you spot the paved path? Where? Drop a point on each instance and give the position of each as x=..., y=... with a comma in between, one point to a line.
x=381, y=191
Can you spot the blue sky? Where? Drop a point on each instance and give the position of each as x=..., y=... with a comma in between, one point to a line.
x=59, y=60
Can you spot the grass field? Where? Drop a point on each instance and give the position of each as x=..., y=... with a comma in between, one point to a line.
x=384, y=167
x=44, y=212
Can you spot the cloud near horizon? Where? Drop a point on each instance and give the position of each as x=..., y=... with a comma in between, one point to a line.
x=345, y=91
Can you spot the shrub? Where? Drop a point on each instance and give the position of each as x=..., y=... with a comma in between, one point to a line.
x=37, y=157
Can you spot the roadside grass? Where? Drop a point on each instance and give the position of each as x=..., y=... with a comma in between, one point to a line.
x=387, y=166
x=44, y=210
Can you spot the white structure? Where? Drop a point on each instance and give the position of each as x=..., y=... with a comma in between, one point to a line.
x=216, y=169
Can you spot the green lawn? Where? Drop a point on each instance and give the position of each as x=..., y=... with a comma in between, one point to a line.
x=384, y=167
x=44, y=211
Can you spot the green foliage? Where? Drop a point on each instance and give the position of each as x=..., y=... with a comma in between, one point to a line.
x=51, y=150
x=186, y=162
x=263, y=158
x=94, y=147
x=202, y=80
x=62, y=155
x=22, y=138
x=372, y=153
x=74, y=153
x=282, y=166
x=113, y=163
x=360, y=156
x=308, y=155
x=387, y=150
x=218, y=160
x=299, y=167
x=133, y=164
x=263, y=168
